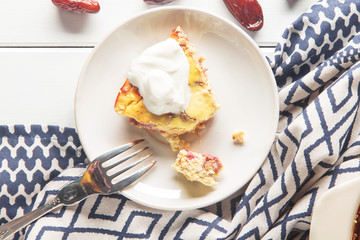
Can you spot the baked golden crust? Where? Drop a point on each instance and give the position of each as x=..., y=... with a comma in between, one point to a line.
x=201, y=108
x=198, y=167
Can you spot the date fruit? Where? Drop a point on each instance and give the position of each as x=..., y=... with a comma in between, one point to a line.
x=158, y=2
x=78, y=6
x=248, y=12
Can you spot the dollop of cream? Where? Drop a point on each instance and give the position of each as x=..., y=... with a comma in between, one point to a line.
x=161, y=74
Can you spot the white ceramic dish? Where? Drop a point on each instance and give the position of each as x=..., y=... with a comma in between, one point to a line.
x=240, y=77
x=334, y=213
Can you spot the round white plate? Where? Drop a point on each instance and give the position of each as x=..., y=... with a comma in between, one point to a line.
x=334, y=213
x=239, y=75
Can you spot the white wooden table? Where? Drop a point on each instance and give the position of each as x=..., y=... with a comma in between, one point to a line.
x=43, y=49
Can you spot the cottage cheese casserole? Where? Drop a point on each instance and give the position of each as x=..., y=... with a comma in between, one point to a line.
x=172, y=125
x=198, y=166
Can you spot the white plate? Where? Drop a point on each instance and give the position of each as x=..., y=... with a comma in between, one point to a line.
x=240, y=77
x=334, y=213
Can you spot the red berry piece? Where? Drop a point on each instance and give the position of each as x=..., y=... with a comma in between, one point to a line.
x=248, y=12
x=78, y=6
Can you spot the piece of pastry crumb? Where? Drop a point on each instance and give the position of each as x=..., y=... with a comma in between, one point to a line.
x=239, y=137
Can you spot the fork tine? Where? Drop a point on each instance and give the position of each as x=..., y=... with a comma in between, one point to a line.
x=133, y=177
x=130, y=166
x=116, y=151
x=116, y=163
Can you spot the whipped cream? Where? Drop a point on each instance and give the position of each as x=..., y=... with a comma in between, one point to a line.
x=161, y=74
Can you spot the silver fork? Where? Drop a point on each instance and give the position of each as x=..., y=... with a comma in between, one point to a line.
x=95, y=180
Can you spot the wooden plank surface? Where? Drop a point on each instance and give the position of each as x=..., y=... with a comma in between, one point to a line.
x=40, y=23
x=37, y=85
x=43, y=49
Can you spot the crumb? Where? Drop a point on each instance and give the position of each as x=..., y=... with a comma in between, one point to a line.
x=238, y=137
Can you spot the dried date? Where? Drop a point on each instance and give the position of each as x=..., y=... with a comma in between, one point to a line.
x=248, y=12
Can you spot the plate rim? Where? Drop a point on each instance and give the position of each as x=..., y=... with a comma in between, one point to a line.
x=318, y=228
x=267, y=68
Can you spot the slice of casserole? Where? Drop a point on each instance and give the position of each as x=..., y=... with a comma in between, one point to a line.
x=197, y=166
x=201, y=108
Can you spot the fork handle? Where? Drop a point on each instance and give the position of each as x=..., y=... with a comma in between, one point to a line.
x=13, y=226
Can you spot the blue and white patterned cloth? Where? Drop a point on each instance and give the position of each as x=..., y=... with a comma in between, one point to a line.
x=317, y=147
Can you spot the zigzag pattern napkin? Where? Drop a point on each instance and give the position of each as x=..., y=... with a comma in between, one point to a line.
x=317, y=147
